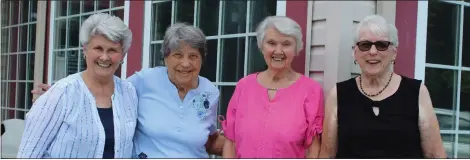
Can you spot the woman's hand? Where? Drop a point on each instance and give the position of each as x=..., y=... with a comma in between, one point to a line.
x=39, y=90
x=229, y=149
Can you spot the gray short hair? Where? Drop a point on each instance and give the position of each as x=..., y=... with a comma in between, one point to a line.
x=111, y=27
x=378, y=26
x=182, y=32
x=284, y=25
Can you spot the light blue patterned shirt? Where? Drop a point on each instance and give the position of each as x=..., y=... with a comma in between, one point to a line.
x=168, y=127
x=64, y=122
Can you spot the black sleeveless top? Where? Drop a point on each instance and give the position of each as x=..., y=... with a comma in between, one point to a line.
x=394, y=133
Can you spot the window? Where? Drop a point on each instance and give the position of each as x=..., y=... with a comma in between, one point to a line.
x=447, y=72
x=67, y=54
x=18, y=27
x=230, y=30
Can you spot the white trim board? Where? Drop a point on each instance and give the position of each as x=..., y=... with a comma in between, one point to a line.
x=421, y=35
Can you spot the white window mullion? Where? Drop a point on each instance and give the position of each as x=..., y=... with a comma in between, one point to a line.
x=281, y=8
x=173, y=10
x=196, y=11
x=247, y=38
x=50, y=67
x=147, y=37
x=459, y=78
x=219, y=32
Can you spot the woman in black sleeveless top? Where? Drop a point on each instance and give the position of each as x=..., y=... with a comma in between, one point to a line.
x=379, y=114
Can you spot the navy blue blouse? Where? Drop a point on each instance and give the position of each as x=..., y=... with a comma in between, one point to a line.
x=106, y=116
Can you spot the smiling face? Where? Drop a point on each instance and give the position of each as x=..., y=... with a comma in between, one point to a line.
x=103, y=56
x=278, y=49
x=184, y=64
x=374, y=53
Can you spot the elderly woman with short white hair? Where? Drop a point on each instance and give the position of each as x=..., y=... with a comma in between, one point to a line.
x=276, y=113
x=379, y=114
x=177, y=107
x=91, y=114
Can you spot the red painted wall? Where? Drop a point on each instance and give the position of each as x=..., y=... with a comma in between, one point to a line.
x=298, y=11
x=136, y=24
x=406, y=20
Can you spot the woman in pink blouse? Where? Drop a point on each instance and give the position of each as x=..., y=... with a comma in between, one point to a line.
x=277, y=113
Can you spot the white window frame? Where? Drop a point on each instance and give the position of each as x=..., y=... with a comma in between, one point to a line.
x=27, y=52
x=52, y=19
x=421, y=65
x=280, y=11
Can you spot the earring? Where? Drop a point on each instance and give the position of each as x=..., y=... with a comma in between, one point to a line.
x=355, y=61
x=393, y=61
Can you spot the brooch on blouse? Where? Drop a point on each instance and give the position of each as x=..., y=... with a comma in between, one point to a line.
x=201, y=104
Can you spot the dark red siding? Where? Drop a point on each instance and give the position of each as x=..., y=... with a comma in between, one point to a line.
x=298, y=11
x=406, y=21
x=136, y=24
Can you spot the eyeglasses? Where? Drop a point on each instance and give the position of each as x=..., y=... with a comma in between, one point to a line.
x=379, y=45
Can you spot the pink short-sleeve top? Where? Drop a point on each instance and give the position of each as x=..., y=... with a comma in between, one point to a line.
x=283, y=127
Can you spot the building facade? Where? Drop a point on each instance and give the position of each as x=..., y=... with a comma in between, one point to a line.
x=39, y=43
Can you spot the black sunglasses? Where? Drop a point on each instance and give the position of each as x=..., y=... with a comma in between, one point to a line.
x=379, y=45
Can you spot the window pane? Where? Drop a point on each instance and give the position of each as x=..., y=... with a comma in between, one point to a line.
x=74, y=7
x=464, y=146
x=74, y=29
x=32, y=37
x=33, y=14
x=24, y=10
x=5, y=12
x=208, y=17
x=13, y=67
x=226, y=93
x=14, y=39
x=442, y=86
x=12, y=92
x=88, y=6
x=464, y=120
x=29, y=95
x=442, y=34
x=61, y=9
x=232, y=59
x=103, y=4
x=60, y=33
x=3, y=67
x=3, y=96
x=466, y=39
x=30, y=66
x=72, y=62
x=59, y=65
x=156, y=57
x=184, y=11
x=14, y=12
x=209, y=65
x=256, y=62
x=117, y=3
x=161, y=19
x=260, y=9
x=5, y=36
x=22, y=66
x=448, y=140
x=82, y=63
x=20, y=95
x=20, y=115
x=118, y=13
x=234, y=17
x=23, y=42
